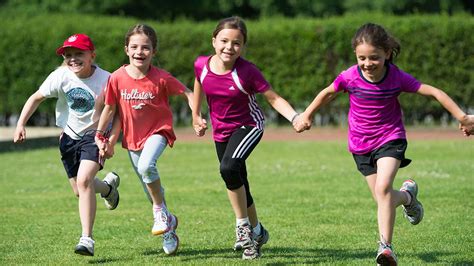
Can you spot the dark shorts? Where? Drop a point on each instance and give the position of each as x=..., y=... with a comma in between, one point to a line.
x=367, y=163
x=74, y=151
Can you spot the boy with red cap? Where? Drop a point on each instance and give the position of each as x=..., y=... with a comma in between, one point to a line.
x=78, y=84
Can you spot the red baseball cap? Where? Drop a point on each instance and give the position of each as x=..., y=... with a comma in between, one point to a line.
x=79, y=41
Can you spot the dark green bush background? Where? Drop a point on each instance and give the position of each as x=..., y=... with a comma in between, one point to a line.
x=298, y=56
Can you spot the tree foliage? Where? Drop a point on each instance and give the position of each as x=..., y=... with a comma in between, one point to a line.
x=298, y=57
x=165, y=10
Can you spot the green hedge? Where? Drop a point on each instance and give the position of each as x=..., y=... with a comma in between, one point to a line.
x=298, y=56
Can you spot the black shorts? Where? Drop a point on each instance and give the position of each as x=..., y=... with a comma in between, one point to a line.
x=367, y=163
x=74, y=151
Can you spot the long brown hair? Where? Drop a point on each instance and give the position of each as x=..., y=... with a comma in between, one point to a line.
x=377, y=36
x=235, y=23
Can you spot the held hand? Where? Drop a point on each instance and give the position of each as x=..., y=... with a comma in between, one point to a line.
x=19, y=135
x=109, y=151
x=101, y=143
x=301, y=123
x=467, y=125
x=200, y=126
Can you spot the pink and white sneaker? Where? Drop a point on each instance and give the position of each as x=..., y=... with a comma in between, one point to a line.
x=170, y=238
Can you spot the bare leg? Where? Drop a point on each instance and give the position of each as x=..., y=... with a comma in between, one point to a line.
x=252, y=213
x=238, y=200
x=99, y=186
x=388, y=199
x=87, y=200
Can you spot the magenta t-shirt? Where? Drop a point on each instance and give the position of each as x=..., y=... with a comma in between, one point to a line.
x=231, y=96
x=375, y=115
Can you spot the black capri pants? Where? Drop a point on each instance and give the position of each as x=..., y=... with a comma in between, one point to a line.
x=232, y=156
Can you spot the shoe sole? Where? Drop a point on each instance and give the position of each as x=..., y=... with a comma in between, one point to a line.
x=157, y=233
x=117, y=184
x=422, y=213
x=386, y=260
x=83, y=251
x=118, y=200
x=258, y=255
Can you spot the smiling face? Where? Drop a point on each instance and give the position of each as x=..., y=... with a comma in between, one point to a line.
x=228, y=45
x=371, y=61
x=79, y=61
x=140, y=52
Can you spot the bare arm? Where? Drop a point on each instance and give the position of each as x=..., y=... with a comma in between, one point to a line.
x=107, y=149
x=445, y=101
x=106, y=116
x=115, y=130
x=199, y=124
x=189, y=96
x=28, y=109
x=323, y=97
x=280, y=104
x=466, y=122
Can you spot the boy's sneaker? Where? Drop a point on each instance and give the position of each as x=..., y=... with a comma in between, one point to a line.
x=385, y=255
x=170, y=238
x=252, y=252
x=243, y=234
x=85, y=246
x=413, y=211
x=162, y=222
x=262, y=238
x=112, y=200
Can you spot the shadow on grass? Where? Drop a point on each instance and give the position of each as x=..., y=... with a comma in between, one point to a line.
x=29, y=144
x=103, y=261
x=288, y=255
x=434, y=257
x=285, y=256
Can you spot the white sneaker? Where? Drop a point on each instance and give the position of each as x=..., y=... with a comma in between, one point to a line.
x=85, y=246
x=170, y=238
x=243, y=235
x=414, y=211
x=162, y=222
x=112, y=200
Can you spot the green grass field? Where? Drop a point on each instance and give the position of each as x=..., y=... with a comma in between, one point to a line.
x=309, y=195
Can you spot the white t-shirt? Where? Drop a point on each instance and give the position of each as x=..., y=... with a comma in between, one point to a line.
x=80, y=101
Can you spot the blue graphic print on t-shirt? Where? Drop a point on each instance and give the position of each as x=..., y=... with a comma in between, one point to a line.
x=80, y=100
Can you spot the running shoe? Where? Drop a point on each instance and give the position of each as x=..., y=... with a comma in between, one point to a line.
x=112, y=199
x=385, y=255
x=414, y=211
x=85, y=246
x=170, y=238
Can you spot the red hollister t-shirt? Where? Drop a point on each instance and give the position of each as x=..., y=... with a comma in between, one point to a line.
x=143, y=105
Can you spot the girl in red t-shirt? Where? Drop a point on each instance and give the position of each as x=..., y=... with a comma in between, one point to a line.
x=139, y=92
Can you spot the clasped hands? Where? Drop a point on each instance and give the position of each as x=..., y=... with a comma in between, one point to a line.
x=106, y=149
x=301, y=122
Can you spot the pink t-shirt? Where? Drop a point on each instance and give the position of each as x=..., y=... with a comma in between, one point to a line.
x=231, y=96
x=143, y=105
x=375, y=115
